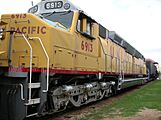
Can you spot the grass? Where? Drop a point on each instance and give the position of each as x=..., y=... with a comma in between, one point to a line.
x=147, y=97
x=159, y=118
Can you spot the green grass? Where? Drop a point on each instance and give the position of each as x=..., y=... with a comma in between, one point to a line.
x=147, y=97
x=159, y=118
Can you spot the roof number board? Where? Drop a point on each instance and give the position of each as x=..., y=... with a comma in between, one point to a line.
x=54, y=5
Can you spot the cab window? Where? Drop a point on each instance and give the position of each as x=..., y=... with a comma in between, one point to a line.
x=85, y=26
x=59, y=19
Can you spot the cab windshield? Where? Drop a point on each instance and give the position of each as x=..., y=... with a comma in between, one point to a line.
x=59, y=19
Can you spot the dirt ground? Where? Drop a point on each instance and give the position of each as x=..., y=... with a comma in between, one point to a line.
x=146, y=114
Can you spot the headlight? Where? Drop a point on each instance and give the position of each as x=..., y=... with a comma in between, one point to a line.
x=1, y=33
x=1, y=30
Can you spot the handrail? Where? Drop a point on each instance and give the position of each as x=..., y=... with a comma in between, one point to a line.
x=22, y=94
x=123, y=72
x=30, y=64
x=48, y=61
x=21, y=87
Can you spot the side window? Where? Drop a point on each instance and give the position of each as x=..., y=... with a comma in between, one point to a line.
x=79, y=25
x=85, y=26
x=89, y=28
x=107, y=34
x=103, y=32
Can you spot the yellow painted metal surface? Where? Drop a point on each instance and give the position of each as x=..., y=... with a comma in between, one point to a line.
x=67, y=49
x=2, y=52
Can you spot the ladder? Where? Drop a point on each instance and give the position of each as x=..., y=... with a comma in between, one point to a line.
x=31, y=85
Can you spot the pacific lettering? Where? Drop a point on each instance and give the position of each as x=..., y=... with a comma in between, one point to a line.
x=24, y=30
x=38, y=29
x=30, y=29
x=33, y=30
x=43, y=30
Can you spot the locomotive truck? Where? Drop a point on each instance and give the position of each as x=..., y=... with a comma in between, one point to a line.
x=57, y=56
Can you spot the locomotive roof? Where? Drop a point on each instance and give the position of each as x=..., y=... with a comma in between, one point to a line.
x=151, y=61
x=116, y=38
x=49, y=6
x=129, y=49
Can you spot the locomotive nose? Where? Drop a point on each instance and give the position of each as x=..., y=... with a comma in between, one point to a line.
x=2, y=29
x=2, y=34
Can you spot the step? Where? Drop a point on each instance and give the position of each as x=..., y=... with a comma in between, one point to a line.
x=34, y=85
x=33, y=101
x=34, y=114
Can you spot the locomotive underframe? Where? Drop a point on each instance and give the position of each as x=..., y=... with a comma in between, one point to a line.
x=64, y=90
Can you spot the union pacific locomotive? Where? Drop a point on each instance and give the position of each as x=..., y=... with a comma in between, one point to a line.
x=57, y=56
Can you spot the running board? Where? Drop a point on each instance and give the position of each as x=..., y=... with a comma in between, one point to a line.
x=136, y=79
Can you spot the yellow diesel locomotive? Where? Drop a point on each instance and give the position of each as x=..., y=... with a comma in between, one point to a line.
x=56, y=55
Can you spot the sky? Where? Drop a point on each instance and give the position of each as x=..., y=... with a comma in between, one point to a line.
x=137, y=21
